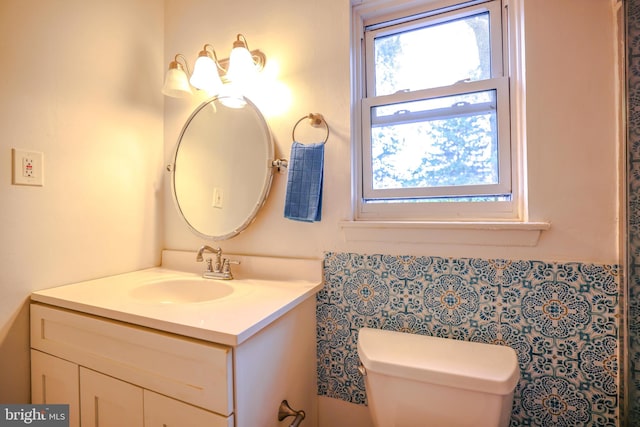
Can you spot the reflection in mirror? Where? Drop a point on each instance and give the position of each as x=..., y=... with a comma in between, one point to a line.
x=222, y=168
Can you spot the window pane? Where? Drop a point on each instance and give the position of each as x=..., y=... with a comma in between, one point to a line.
x=446, y=141
x=434, y=55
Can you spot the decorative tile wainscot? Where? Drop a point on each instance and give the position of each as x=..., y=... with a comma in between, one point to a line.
x=561, y=318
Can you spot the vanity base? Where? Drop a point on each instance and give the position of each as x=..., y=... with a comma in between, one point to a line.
x=112, y=373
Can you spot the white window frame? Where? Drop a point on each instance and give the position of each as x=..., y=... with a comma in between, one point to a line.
x=372, y=16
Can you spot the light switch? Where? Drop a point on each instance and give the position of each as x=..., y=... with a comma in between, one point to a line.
x=217, y=198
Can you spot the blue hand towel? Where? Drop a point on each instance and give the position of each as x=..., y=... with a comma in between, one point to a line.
x=303, y=200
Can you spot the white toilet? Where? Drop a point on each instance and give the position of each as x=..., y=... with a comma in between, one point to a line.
x=420, y=381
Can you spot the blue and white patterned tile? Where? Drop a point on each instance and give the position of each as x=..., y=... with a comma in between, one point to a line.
x=633, y=211
x=561, y=318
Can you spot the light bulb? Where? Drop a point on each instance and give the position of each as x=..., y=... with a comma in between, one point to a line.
x=242, y=69
x=205, y=75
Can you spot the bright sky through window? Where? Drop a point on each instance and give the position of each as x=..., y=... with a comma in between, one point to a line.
x=438, y=55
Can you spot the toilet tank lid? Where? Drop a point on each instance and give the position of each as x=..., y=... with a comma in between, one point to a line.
x=468, y=365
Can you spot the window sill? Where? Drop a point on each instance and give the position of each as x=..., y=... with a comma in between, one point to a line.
x=485, y=233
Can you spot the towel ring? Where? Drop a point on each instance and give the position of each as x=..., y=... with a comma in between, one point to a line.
x=315, y=120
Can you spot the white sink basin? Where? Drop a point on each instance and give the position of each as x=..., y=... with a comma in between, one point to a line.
x=180, y=291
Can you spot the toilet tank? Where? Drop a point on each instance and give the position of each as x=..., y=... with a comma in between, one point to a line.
x=418, y=381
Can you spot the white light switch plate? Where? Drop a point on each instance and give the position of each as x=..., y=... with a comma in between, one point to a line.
x=28, y=167
x=217, y=198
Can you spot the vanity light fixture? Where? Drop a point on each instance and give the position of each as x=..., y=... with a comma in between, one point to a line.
x=176, y=82
x=211, y=74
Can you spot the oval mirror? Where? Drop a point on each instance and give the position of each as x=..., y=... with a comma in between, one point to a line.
x=222, y=167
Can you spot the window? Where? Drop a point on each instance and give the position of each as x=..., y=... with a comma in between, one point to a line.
x=433, y=138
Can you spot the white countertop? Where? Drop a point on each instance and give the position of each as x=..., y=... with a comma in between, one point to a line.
x=253, y=304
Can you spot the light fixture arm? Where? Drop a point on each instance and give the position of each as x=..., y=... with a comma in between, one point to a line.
x=208, y=48
x=241, y=43
x=177, y=64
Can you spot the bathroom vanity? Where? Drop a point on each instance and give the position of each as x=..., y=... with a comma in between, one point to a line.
x=164, y=347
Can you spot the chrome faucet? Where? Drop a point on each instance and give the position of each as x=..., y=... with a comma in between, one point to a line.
x=216, y=251
x=222, y=267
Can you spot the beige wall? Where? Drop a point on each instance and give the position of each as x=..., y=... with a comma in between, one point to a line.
x=79, y=83
x=309, y=43
x=572, y=142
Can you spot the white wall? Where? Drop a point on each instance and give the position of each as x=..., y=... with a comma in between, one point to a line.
x=80, y=82
x=572, y=142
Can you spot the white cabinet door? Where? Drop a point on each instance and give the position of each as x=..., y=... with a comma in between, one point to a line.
x=55, y=381
x=162, y=411
x=109, y=402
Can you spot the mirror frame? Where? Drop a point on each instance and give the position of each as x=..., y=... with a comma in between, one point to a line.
x=266, y=186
